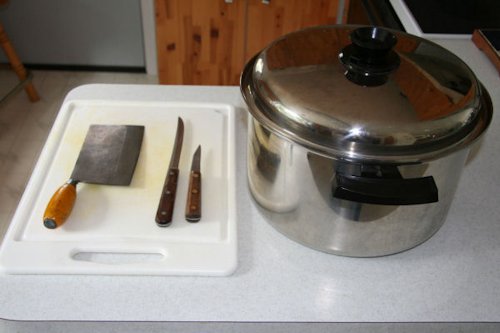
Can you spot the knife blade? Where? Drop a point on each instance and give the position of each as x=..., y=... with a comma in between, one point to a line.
x=167, y=199
x=108, y=156
x=193, y=202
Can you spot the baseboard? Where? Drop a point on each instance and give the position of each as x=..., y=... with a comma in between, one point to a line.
x=83, y=68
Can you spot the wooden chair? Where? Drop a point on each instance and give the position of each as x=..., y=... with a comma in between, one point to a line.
x=16, y=63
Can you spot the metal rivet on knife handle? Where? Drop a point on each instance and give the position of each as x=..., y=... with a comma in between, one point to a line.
x=193, y=202
x=165, y=209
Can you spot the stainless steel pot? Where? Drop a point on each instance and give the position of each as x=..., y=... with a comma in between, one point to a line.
x=358, y=136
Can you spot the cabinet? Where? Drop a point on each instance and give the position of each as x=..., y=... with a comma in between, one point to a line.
x=209, y=41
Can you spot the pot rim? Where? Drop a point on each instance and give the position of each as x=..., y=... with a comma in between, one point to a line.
x=479, y=126
x=473, y=121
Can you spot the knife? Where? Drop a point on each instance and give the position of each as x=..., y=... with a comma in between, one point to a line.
x=108, y=156
x=167, y=199
x=193, y=203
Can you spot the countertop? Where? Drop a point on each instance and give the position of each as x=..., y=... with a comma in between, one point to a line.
x=453, y=277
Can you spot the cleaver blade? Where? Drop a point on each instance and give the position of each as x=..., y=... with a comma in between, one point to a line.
x=108, y=156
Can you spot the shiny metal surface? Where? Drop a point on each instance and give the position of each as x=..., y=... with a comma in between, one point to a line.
x=430, y=106
x=293, y=187
x=108, y=155
x=195, y=163
x=176, y=152
x=312, y=120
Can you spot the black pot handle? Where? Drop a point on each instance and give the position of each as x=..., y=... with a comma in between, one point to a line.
x=383, y=191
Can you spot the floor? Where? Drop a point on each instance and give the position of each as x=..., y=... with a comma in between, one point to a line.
x=24, y=126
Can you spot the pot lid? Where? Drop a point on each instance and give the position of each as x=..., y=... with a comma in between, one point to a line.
x=365, y=93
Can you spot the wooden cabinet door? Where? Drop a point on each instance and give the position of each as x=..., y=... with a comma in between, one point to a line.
x=200, y=41
x=268, y=20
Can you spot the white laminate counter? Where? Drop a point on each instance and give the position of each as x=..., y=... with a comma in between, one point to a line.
x=453, y=278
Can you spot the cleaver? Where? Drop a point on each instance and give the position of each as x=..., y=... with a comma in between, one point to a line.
x=108, y=156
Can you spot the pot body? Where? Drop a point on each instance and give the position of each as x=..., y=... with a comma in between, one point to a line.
x=295, y=188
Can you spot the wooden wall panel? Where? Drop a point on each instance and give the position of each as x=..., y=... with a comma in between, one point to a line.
x=209, y=41
x=200, y=42
x=266, y=22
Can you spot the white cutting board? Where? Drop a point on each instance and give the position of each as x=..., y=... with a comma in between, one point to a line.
x=112, y=229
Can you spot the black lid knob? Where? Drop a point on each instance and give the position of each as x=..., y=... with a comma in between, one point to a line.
x=373, y=38
x=370, y=59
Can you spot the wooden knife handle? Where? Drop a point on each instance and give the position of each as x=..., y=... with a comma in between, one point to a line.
x=193, y=203
x=167, y=200
x=60, y=205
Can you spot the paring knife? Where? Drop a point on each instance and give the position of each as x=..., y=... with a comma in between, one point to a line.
x=167, y=199
x=193, y=202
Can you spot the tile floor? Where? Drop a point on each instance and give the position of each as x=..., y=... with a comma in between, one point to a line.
x=24, y=126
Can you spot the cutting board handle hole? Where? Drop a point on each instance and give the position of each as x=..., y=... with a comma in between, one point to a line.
x=117, y=258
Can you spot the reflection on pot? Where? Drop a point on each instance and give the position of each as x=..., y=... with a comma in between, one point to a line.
x=270, y=169
x=327, y=171
x=357, y=136
x=295, y=196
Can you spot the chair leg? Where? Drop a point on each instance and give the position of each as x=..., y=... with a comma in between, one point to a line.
x=17, y=65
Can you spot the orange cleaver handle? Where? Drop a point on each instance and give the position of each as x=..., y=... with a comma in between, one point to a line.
x=60, y=205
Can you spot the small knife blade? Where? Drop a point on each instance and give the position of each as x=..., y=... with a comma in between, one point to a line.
x=167, y=199
x=193, y=202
